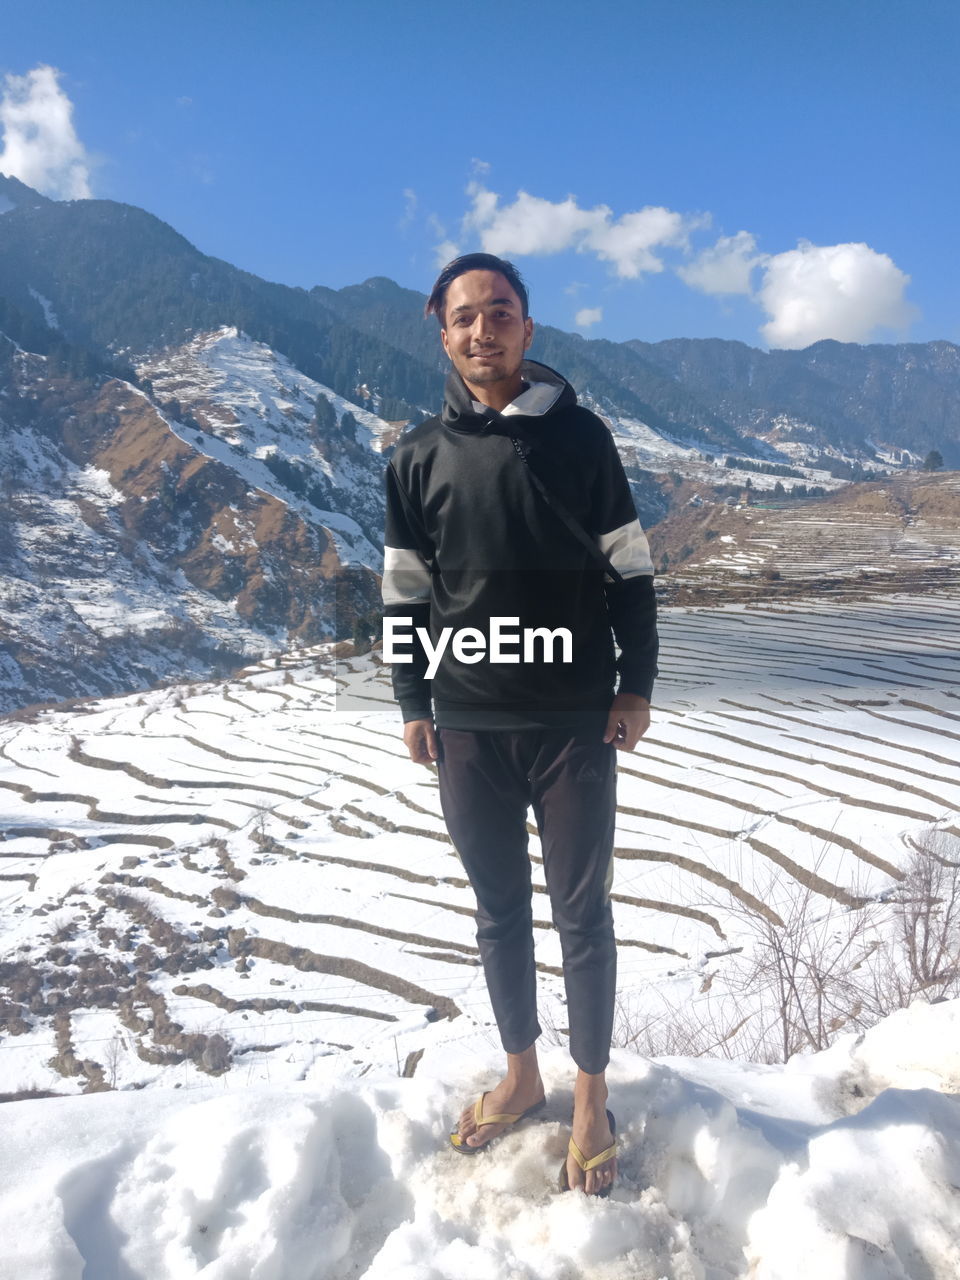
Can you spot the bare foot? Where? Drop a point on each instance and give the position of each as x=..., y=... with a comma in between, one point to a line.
x=510, y=1097
x=591, y=1133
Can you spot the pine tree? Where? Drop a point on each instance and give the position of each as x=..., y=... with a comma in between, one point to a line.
x=362, y=634
x=325, y=416
x=348, y=425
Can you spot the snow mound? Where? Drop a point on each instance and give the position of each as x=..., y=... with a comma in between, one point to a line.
x=875, y=1196
x=726, y=1170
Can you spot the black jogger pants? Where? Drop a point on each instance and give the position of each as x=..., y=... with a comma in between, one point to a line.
x=488, y=778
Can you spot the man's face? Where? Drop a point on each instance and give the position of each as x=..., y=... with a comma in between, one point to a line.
x=484, y=332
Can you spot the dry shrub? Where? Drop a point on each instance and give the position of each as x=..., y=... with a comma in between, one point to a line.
x=822, y=972
x=927, y=907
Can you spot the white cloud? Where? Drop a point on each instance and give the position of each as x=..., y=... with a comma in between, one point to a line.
x=533, y=225
x=725, y=267
x=530, y=225
x=40, y=144
x=445, y=252
x=629, y=241
x=409, y=208
x=445, y=249
x=841, y=291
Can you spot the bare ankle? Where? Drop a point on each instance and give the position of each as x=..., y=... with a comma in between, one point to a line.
x=523, y=1068
x=590, y=1088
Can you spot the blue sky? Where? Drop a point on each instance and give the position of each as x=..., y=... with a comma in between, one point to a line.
x=768, y=172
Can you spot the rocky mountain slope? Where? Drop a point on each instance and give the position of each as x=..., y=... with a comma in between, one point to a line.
x=135, y=547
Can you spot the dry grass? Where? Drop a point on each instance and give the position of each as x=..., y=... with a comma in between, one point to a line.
x=820, y=972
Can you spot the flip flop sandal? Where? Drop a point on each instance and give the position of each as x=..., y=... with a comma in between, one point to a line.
x=465, y=1149
x=563, y=1182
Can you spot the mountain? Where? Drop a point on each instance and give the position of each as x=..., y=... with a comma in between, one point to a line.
x=119, y=280
x=840, y=397
x=831, y=394
x=136, y=545
x=610, y=376
x=192, y=457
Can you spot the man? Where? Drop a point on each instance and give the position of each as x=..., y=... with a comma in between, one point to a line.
x=483, y=543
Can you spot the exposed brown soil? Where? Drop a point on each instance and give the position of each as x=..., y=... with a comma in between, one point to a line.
x=312, y=962
x=234, y=541
x=203, y=991
x=116, y=978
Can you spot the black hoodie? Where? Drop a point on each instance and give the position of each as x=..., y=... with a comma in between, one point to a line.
x=468, y=539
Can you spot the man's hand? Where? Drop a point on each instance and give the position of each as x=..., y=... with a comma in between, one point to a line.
x=420, y=739
x=628, y=721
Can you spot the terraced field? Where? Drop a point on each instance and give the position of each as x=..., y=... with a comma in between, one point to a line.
x=906, y=528
x=251, y=881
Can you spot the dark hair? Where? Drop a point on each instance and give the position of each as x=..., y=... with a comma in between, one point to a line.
x=473, y=262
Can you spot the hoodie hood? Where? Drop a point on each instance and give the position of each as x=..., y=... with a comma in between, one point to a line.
x=546, y=392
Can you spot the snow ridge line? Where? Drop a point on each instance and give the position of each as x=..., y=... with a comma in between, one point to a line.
x=831, y=794
x=96, y=814
x=77, y=754
x=821, y=833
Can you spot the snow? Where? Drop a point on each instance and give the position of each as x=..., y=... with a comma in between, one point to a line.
x=72, y=579
x=642, y=446
x=723, y=1173
x=808, y=745
x=49, y=315
x=252, y=402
